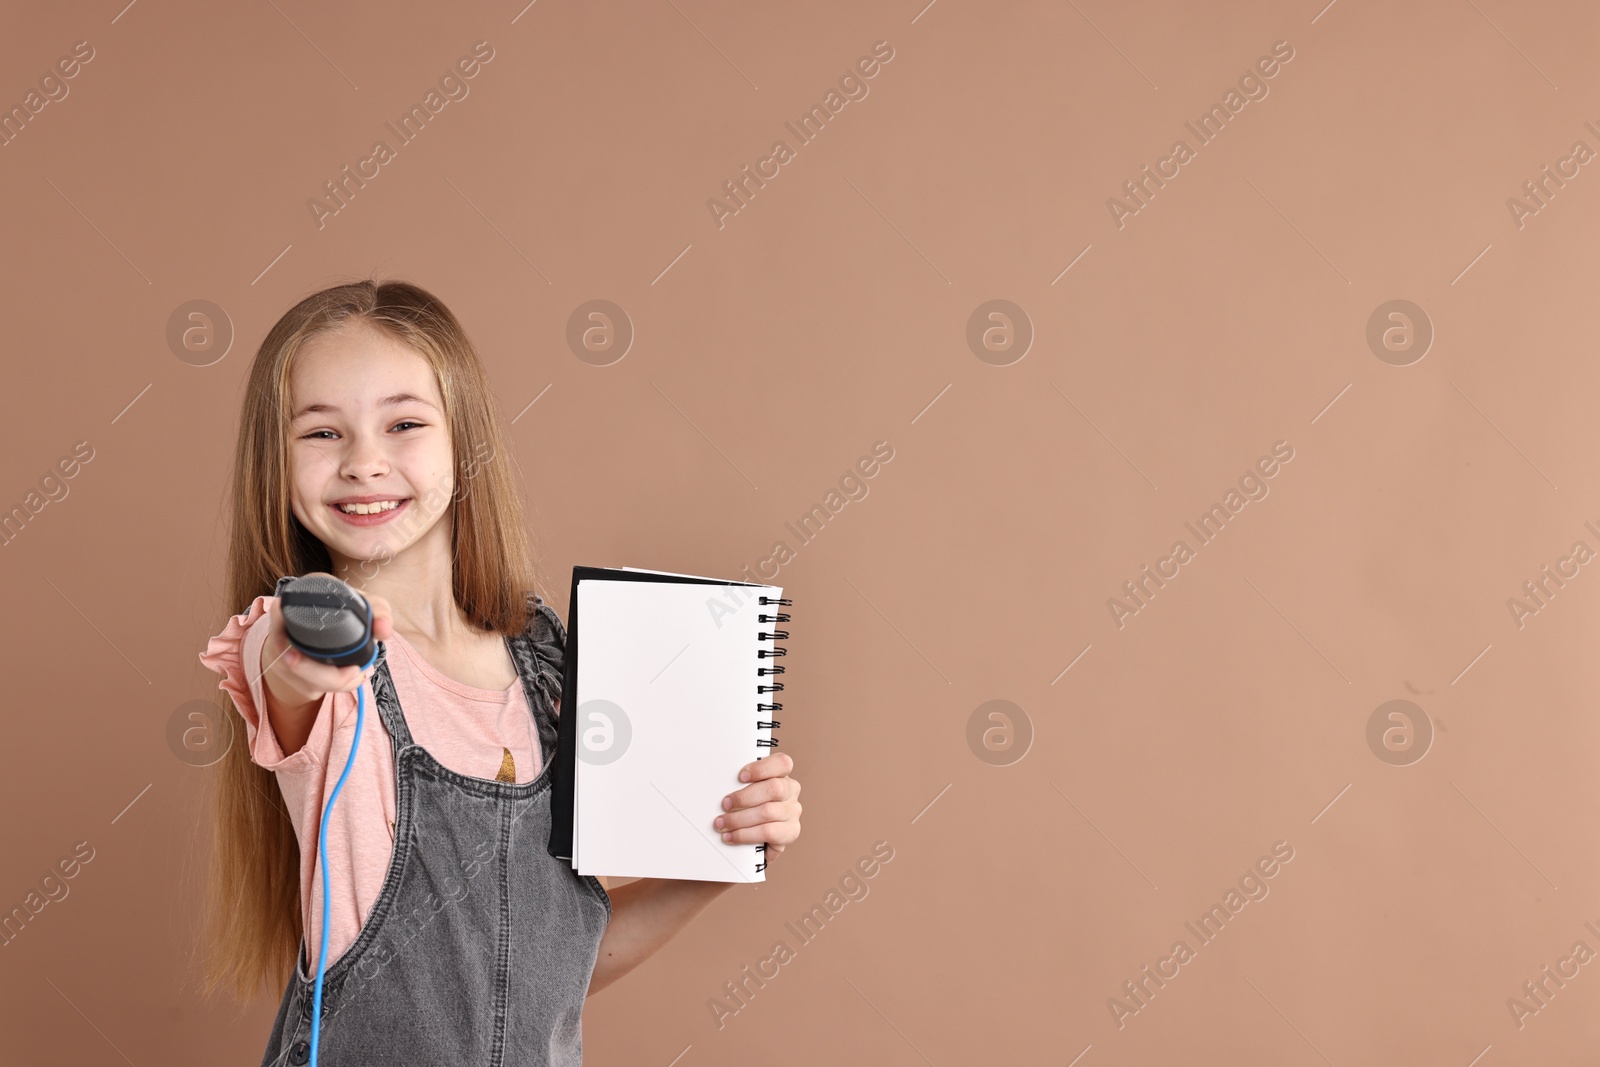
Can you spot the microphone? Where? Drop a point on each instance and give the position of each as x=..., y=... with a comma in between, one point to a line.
x=327, y=620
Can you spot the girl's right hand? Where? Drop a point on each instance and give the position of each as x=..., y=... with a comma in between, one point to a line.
x=296, y=683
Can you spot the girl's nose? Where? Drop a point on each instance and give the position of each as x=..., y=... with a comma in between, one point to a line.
x=363, y=459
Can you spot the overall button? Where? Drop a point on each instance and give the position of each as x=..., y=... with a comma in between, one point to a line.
x=300, y=1053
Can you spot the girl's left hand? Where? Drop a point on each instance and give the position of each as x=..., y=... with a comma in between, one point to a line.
x=767, y=810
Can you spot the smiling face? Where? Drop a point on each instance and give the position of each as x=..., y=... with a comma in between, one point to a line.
x=370, y=454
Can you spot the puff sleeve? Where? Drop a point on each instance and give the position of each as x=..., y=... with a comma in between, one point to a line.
x=549, y=639
x=235, y=654
x=541, y=651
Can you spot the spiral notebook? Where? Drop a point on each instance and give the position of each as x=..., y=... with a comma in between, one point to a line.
x=670, y=688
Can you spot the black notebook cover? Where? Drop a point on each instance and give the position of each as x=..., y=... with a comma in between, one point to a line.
x=562, y=775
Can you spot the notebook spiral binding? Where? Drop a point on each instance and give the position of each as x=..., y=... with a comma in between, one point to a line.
x=776, y=687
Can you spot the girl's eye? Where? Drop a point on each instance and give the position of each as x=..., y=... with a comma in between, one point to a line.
x=317, y=435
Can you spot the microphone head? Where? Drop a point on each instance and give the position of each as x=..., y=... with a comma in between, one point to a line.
x=327, y=620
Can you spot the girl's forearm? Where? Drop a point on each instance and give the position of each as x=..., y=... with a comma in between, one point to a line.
x=645, y=915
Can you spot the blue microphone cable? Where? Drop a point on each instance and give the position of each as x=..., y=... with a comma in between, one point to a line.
x=322, y=853
x=328, y=621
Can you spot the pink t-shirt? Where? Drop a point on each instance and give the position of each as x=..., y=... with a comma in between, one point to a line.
x=484, y=733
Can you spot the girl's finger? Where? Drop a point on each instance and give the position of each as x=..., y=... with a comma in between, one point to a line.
x=777, y=765
x=769, y=789
x=771, y=812
x=318, y=677
x=772, y=833
x=382, y=618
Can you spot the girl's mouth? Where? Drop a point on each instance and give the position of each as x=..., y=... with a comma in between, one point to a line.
x=374, y=514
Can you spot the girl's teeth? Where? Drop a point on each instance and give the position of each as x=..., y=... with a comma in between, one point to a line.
x=369, y=509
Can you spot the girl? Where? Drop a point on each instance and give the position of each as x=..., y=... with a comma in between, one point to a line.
x=371, y=448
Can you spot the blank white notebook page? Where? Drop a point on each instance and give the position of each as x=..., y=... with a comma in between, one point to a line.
x=666, y=717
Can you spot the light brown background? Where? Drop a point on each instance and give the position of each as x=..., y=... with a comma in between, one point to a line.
x=826, y=316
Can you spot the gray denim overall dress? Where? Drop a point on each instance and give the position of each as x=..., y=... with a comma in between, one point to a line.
x=480, y=946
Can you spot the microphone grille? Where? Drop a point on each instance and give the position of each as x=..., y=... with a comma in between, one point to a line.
x=329, y=614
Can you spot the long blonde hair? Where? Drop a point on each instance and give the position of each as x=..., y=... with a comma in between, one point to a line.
x=253, y=920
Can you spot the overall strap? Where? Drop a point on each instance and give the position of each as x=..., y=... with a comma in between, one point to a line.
x=381, y=687
x=539, y=653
